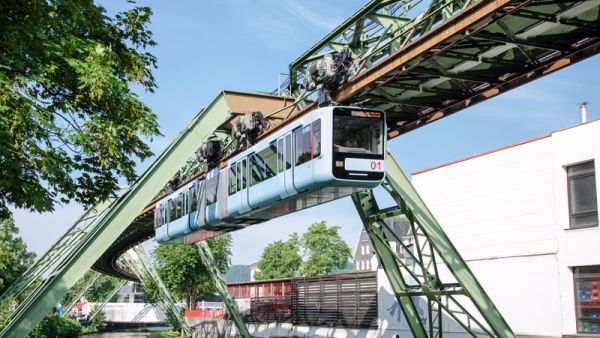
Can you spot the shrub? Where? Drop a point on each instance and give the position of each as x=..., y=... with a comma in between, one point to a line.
x=53, y=326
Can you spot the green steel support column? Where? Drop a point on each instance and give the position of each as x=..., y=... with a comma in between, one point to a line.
x=82, y=292
x=117, y=218
x=145, y=269
x=217, y=277
x=99, y=308
x=444, y=247
x=366, y=206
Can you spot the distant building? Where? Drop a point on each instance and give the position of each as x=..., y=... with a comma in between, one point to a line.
x=525, y=218
x=130, y=293
x=253, y=269
x=364, y=256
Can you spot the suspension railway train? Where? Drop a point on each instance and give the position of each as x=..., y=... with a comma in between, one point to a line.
x=330, y=153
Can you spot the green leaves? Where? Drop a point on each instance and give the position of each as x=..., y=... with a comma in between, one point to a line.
x=323, y=248
x=70, y=126
x=182, y=271
x=14, y=257
x=279, y=260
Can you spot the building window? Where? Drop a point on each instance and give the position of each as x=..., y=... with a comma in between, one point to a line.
x=583, y=208
x=587, y=298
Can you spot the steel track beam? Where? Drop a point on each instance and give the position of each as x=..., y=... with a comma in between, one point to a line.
x=453, y=27
x=558, y=62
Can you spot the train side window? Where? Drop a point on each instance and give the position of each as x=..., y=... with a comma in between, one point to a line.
x=302, y=138
x=163, y=213
x=187, y=201
x=268, y=158
x=183, y=197
x=233, y=181
x=157, y=218
x=288, y=151
x=316, y=137
x=179, y=201
x=194, y=199
x=172, y=210
x=256, y=170
x=211, y=189
x=238, y=167
x=244, y=173
x=280, y=155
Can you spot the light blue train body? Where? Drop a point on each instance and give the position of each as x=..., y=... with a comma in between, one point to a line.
x=327, y=154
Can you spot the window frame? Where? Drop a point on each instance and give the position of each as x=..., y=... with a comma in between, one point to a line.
x=571, y=178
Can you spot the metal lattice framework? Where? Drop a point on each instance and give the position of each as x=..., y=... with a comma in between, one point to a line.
x=427, y=66
x=373, y=33
x=416, y=273
x=111, y=294
x=417, y=67
x=221, y=285
x=82, y=291
x=141, y=264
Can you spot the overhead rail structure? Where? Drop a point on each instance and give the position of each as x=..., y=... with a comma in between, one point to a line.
x=418, y=68
x=485, y=49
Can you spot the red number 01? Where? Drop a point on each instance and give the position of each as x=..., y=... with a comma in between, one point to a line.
x=375, y=165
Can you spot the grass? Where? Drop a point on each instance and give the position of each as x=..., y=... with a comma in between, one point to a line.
x=164, y=334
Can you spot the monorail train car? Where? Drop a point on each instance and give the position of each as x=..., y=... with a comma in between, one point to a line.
x=329, y=153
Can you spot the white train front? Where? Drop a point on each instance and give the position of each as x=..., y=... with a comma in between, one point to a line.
x=329, y=153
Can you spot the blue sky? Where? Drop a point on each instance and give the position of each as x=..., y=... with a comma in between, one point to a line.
x=244, y=44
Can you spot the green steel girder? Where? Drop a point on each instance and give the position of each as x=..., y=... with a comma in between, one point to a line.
x=117, y=218
x=92, y=280
x=421, y=277
x=366, y=206
x=144, y=268
x=376, y=30
x=218, y=278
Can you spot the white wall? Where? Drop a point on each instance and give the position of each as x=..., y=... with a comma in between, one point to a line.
x=133, y=312
x=506, y=212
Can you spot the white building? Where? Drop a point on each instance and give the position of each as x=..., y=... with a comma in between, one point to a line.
x=525, y=218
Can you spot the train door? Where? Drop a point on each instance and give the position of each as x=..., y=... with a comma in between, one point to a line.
x=244, y=183
x=288, y=163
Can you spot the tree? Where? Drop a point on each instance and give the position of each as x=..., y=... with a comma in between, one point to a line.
x=98, y=292
x=280, y=260
x=14, y=257
x=324, y=249
x=70, y=125
x=183, y=273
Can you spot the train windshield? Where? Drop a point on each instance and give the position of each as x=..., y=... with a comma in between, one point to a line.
x=358, y=135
